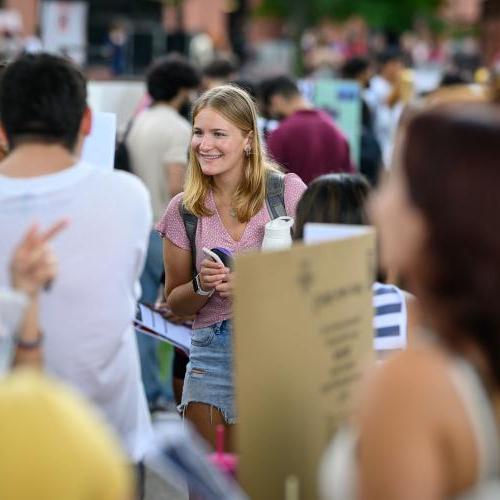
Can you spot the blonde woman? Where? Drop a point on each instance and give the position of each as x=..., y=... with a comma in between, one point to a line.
x=226, y=190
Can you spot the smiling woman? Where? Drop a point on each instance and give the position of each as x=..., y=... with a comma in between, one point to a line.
x=217, y=143
x=225, y=190
x=226, y=143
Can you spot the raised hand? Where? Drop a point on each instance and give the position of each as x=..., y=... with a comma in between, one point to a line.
x=33, y=263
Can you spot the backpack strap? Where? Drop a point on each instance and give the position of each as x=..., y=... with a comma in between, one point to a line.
x=275, y=202
x=275, y=194
x=190, y=223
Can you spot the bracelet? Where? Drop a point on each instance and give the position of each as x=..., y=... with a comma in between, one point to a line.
x=29, y=344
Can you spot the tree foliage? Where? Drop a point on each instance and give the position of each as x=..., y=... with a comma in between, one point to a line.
x=397, y=15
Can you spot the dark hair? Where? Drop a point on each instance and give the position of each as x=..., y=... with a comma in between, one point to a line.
x=451, y=161
x=278, y=85
x=42, y=98
x=353, y=67
x=220, y=68
x=451, y=78
x=168, y=75
x=247, y=85
x=389, y=55
x=333, y=199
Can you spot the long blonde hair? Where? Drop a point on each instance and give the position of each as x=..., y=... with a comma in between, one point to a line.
x=236, y=106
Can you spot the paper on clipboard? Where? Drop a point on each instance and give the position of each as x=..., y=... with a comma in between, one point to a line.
x=154, y=324
x=319, y=233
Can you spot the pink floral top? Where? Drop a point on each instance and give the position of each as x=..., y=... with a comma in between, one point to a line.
x=211, y=233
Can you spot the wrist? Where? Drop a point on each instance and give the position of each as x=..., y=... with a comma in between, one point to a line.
x=24, y=288
x=198, y=288
x=29, y=344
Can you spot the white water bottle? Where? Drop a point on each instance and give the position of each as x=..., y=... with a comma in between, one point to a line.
x=278, y=234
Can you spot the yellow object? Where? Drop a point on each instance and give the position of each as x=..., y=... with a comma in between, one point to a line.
x=482, y=76
x=407, y=83
x=53, y=447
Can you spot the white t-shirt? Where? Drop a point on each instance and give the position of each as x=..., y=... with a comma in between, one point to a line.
x=159, y=136
x=86, y=316
x=386, y=118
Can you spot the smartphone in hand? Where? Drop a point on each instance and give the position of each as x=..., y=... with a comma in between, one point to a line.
x=219, y=255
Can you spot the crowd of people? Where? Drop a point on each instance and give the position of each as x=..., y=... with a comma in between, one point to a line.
x=214, y=159
x=328, y=45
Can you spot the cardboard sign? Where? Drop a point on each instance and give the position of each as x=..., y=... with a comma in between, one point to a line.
x=303, y=335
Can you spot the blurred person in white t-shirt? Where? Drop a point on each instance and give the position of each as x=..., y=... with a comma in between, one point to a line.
x=87, y=316
x=158, y=144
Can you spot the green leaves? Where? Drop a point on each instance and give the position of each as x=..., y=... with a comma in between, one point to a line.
x=397, y=15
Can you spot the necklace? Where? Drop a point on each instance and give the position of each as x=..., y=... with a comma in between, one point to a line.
x=225, y=206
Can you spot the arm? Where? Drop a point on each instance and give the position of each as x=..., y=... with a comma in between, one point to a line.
x=29, y=334
x=179, y=292
x=175, y=173
x=32, y=267
x=175, y=159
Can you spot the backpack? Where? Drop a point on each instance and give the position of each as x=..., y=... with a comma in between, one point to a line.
x=275, y=202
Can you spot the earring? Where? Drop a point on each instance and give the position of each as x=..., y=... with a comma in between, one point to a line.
x=248, y=151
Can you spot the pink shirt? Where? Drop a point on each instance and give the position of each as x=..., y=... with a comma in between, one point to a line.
x=211, y=233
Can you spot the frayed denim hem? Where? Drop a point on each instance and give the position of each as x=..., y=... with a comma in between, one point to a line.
x=227, y=419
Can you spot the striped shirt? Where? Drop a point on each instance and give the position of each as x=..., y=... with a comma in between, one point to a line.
x=389, y=320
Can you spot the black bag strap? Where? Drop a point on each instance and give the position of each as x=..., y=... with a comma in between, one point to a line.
x=275, y=202
x=122, y=157
x=190, y=223
x=275, y=194
x=128, y=128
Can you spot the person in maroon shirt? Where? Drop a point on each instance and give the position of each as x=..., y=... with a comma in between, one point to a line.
x=307, y=142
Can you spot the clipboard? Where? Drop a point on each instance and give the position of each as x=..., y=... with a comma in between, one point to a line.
x=152, y=323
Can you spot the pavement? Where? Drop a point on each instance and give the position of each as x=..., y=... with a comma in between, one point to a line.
x=156, y=488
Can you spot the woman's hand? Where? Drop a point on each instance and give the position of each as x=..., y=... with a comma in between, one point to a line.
x=33, y=264
x=225, y=289
x=212, y=274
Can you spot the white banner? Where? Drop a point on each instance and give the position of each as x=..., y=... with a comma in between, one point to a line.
x=64, y=28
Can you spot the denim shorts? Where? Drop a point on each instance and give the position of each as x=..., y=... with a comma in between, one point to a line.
x=209, y=373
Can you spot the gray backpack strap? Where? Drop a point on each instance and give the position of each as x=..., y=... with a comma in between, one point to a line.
x=275, y=194
x=190, y=223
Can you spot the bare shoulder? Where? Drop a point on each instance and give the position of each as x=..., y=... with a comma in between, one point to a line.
x=412, y=381
x=401, y=428
x=415, y=437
